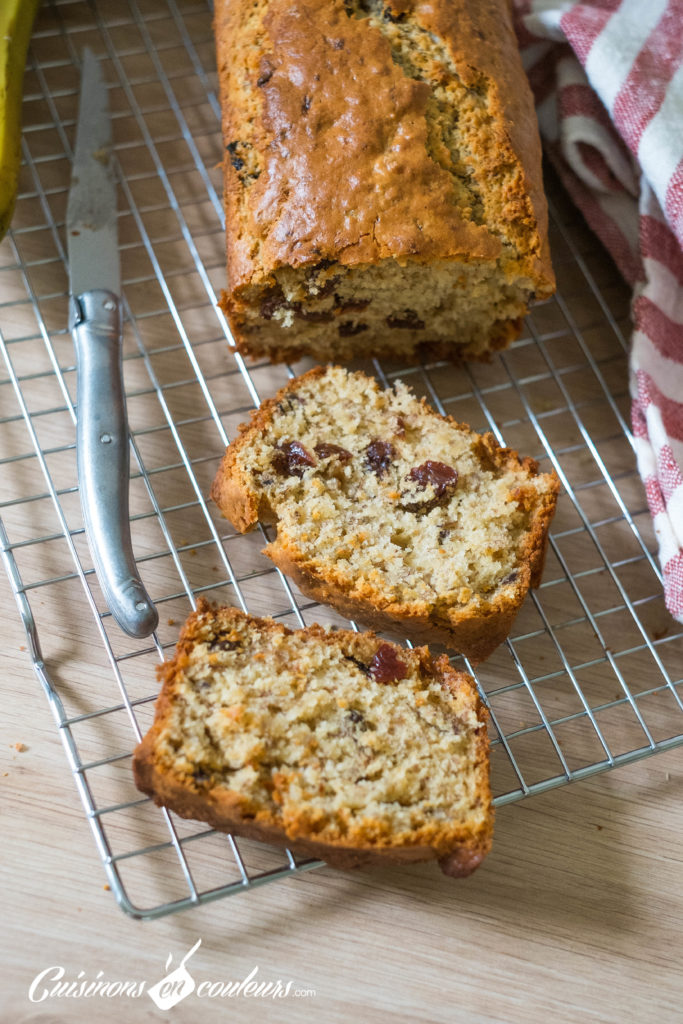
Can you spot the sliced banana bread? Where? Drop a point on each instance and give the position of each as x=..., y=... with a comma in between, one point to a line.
x=338, y=745
x=383, y=189
x=398, y=517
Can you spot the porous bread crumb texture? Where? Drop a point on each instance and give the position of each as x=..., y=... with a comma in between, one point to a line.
x=375, y=201
x=380, y=501
x=299, y=733
x=450, y=309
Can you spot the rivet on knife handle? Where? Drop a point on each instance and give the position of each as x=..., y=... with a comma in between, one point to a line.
x=103, y=458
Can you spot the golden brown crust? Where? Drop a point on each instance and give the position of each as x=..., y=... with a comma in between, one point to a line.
x=474, y=630
x=222, y=812
x=310, y=67
x=474, y=634
x=459, y=849
x=480, y=37
x=303, y=218
x=300, y=228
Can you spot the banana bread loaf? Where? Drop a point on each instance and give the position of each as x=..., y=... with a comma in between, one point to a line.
x=337, y=745
x=383, y=188
x=396, y=516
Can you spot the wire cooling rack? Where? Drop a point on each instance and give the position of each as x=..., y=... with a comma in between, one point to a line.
x=591, y=675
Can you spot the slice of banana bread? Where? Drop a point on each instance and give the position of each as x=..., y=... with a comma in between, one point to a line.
x=383, y=188
x=337, y=745
x=396, y=516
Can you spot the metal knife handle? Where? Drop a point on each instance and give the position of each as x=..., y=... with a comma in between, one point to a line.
x=103, y=458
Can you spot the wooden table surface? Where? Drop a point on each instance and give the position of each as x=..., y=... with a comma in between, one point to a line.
x=576, y=914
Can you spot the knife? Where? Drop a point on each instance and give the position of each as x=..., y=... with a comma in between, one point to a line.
x=95, y=322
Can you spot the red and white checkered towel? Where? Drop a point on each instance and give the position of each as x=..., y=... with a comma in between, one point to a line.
x=608, y=80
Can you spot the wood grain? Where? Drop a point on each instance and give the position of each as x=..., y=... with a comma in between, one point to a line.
x=576, y=915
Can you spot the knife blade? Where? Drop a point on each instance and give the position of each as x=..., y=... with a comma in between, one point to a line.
x=102, y=447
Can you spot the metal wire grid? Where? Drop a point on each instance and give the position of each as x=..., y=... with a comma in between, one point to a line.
x=590, y=677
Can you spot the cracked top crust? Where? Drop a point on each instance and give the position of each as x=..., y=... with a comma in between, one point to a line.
x=327, y=149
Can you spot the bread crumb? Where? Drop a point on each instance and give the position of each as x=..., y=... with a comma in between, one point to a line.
x=107, y=888
x=20, y=747
x=22, y=647
x=171, y=622
x=446, y=546
x=309, y=752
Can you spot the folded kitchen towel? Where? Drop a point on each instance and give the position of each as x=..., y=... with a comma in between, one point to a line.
x=608, y=80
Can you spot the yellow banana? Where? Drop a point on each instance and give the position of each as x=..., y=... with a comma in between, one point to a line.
x=16, y=22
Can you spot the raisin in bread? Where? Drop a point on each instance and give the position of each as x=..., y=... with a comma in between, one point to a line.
x=337, y=745
x=396, y=516
x=382, y=169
